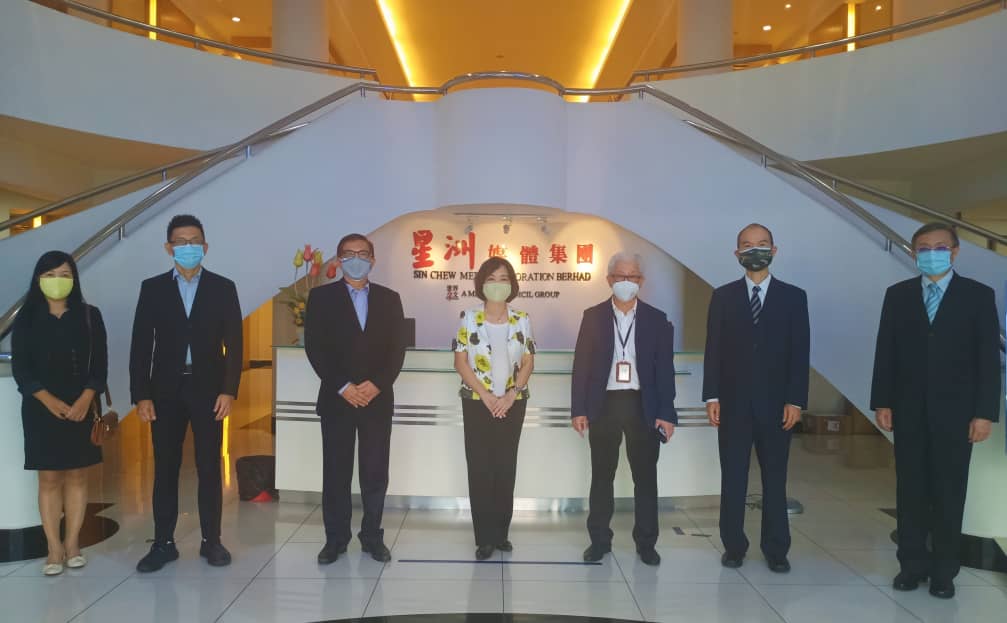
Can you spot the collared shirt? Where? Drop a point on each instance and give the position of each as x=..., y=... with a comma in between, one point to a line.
x=942, y=286
x=359, y=298
x=624, y=323
x=187, y=290
x=763, y=287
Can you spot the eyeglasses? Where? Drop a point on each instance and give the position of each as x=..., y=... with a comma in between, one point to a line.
x=633, y=278
x=349, y=255
x=181, y=242
x=928, y=249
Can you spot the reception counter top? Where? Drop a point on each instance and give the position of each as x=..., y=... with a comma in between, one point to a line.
x=427, y=466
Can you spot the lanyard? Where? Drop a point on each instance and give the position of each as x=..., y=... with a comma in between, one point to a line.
x=623, y=341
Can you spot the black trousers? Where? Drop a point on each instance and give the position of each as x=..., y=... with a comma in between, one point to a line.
x=623, y=415
x=168, y=435
x=491, y=455
x=739, y=430
x=342, y=427
x=932, y=473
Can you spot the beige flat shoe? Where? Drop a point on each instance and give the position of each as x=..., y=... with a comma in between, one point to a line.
x=52, y=568
x=76, y=562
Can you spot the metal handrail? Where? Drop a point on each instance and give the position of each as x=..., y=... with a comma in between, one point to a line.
x=160, y=170
x=118, y=225
x=211, y=43
x=648, y=74
x=832, y=179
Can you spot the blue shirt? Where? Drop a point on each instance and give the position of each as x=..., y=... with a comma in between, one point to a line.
x=942, y=287
x=359, y=298
x=187, y=290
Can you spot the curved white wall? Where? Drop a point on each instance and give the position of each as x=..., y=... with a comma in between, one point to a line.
x=940, y=86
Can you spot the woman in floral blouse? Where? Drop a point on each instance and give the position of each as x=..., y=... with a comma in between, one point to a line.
x=495, y=355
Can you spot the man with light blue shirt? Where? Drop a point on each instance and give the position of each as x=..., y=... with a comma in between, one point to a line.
x=937, y=388
x=184, y=369
x=353, y=337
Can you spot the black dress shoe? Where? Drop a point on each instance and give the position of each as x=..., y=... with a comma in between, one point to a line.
x=778, y=565
x=483, y=552
x=649, y=556
x=377, y=550
x=906, y=581
x=216, y=555
x=330, y=553
x=595, y=552
x=506, y=546
x=730, y=561
x=159, y=555
x=942, y=589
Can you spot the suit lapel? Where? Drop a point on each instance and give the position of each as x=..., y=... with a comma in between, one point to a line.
x=343, y=295
x=641, y=326
x=172, y=294
x=948, y=300
x=770, y=304
x=201, y=293
x=607, y=327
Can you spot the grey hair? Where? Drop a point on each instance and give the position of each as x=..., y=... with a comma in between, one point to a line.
x=626, y=256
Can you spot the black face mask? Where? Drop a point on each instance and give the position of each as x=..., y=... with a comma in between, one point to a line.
x=756, y=258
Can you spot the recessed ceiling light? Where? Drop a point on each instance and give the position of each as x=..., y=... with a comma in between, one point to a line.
x=877, y=7
x=787, y=6
x=235, y=19
x=767, y=27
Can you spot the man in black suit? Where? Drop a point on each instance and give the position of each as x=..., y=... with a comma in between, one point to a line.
x=755, y=383
x=624, y=384
x=184, y=368
x=937, y=386
x=353, y=336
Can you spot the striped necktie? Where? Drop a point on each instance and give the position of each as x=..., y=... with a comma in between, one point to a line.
x=756, y=304
x=933, y=300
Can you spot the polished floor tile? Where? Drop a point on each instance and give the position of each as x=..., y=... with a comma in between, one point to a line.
x=50, y=600
x=971, y=604
x=810, y=565
x=557, y=563
x=850, y=534
x=165, y=600
x=713, y=603
x=280, y=600
x=300, y=560
x=806, y=604
x=573, y=598
x=394, y=596
x=699, y=564
x=880, y=566
x=447, y=561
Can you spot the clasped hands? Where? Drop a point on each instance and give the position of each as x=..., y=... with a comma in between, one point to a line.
x=499, y=405
x=360, y=394
x=75, y=412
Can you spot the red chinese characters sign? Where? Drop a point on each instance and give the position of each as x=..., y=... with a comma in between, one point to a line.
x=465, y=247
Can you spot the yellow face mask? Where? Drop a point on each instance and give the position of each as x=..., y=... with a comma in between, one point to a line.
x=56, y=288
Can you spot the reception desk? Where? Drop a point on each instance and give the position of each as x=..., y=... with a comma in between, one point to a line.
x=428, y=453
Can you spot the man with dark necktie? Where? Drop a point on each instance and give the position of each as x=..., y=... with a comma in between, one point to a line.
x=937, y=388
x=755, y=383
x=353, y=337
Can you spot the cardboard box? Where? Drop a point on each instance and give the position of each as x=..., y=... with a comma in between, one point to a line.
x=827, y=424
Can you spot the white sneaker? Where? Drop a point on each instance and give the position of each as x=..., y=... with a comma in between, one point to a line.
x=76, y=562
x=52, y=568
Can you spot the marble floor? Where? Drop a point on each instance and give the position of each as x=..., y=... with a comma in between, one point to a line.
x=843, y=559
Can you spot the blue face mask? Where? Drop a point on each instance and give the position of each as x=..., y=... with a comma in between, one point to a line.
x=188, y=256
x=356, y=268
x=934, y=262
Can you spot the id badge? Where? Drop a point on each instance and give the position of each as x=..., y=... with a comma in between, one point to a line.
x=623, y=372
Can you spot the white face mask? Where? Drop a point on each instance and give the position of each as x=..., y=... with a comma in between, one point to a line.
x=625, y=291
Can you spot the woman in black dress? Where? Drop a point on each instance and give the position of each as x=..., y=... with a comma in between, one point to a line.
x=60, y=362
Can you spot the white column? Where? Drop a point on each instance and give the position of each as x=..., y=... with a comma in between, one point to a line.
x=301, y=29
x=705, y=31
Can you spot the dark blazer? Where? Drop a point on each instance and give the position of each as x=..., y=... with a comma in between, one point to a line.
x=341, y=353
x=950, y=369
x=655, y=365
x=162, y=332
x=760, y=366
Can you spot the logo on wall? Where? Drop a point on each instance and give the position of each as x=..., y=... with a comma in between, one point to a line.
x=531, y=264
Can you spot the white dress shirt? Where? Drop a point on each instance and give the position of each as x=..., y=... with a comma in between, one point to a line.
x=624, y=323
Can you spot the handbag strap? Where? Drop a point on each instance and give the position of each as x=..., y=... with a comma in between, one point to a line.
x=90, y=352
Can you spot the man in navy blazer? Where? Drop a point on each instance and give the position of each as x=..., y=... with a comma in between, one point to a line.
x=624, y=384
x=755, y=383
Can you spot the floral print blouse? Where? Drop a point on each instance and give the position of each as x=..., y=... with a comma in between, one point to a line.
x=472, y=337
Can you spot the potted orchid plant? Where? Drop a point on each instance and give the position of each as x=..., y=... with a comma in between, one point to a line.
x=311, y=261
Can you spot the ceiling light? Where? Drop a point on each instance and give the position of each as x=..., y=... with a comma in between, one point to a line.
x=605, y=40
x=787, y=6
x=388, y=16
x=767, y=27
x=543, y=225
x=506, y=225
x=235, y=19
x=877, y=7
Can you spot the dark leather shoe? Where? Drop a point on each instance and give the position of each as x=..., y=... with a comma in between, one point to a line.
x=942, y=589
x=506, y=546
x=730, y=561
x=595, y=552
x=216, y=555
x=330, y=553
x=906, y=581
x=778, y=565
x=649, y=556
x=483, y=552
x=377, y=550
x=159, y=555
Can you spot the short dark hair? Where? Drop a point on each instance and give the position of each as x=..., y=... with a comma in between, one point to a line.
x=489, y=267
x=932, y=227
x=752, y=226
x=353, y=238
x=184, y=220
